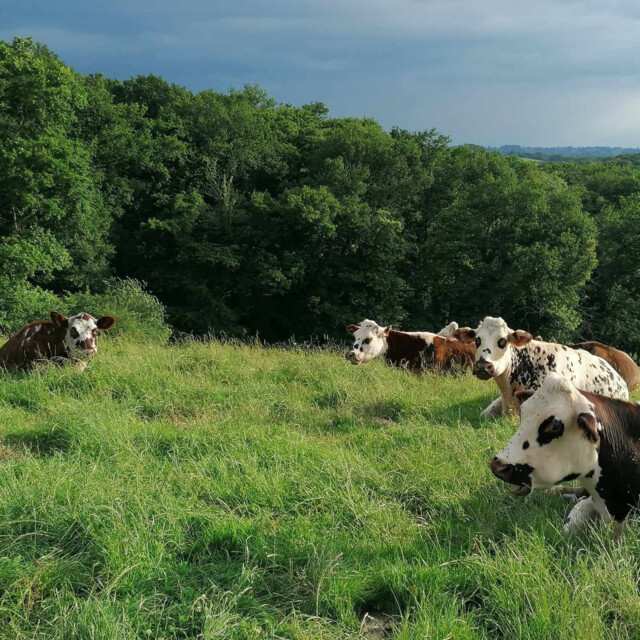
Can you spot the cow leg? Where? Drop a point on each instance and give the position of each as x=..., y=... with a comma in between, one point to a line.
x=582, y=512
x=494, y=409
x=569, y=494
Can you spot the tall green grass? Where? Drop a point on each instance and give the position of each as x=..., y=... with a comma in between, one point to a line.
x=212, y=490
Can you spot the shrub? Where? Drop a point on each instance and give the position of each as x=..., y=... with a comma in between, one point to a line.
x=139, y=314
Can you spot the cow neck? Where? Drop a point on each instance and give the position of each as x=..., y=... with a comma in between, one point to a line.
x=618, y=454
x=55, y=337
x=385, y=344
x=504, y=379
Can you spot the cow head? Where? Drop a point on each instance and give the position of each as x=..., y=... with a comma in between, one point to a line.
x=449, y=331
x=557, y=440
x=82, y=331
x=494, y=341
x=369, y=341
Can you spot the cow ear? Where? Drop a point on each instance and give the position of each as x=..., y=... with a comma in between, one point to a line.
x=466, y=334
x=352, y=328
x=519, y=338
x=538, y=339
x=58, y=319
x=523, y=396
x=386, y=331
x=105, y=322
x=588, y=423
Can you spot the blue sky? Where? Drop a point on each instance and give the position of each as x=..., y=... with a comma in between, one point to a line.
x=537, y=72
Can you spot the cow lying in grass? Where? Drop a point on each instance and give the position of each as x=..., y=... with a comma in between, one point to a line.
x=517, y=362
x=566, y=434
x=619, y=360
x=60, y=337
x=416, y=351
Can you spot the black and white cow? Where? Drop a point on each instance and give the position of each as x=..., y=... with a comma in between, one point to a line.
x=517, y=362
x=567, y=434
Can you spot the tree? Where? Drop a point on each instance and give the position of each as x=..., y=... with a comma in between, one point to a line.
x=504, y=238
x=48, y=190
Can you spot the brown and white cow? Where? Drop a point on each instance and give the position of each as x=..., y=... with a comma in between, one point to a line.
x=619, y=360
x=60, y=337
x=416, y=351
x=517, y=362
x=567, y=434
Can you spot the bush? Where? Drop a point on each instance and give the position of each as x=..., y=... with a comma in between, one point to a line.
x=24, y=304
x=139, y=314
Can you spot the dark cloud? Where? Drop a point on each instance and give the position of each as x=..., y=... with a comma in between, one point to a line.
x=492, y=72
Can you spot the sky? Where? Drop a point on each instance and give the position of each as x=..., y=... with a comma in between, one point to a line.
x=490, y=72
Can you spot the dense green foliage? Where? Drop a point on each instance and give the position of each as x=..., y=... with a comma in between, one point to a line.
x=244, y=216
x=228, y=491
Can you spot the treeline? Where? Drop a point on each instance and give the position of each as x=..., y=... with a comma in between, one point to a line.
x=243, y=215
x=574, y=153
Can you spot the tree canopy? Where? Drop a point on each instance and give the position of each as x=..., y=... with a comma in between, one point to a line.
x=243, y=215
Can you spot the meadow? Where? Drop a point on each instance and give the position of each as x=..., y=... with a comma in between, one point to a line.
x=220, y=490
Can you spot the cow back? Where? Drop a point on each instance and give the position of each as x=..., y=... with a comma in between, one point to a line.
x=619, y=360
x=34, y=341
x=531, y=364
x=405, y=350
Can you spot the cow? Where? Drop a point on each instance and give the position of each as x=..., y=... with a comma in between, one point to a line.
x=619, y=360
x=569, y=434
x=416, y=351
x=517, y=362
x=60, y=337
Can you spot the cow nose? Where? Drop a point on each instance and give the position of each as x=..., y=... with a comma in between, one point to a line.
x=501, y=469
x=483, y=369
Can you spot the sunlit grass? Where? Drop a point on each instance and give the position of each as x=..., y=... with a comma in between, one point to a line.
x=229, y=491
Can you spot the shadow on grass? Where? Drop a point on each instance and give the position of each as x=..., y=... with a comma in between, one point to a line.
x=465, y=410
x=43, y=442
x=395, y=409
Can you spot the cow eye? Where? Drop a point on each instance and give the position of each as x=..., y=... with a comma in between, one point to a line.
x=367, y=340
x=502, y=343
x=74, y=332
x=478, y=342
x=555, y=426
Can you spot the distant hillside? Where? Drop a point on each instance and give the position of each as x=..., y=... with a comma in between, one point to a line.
x=561, y=153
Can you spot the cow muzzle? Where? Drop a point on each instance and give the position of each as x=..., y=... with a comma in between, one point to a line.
x=483, y=370
x=87, y=347
x=518, y=476
x=351, y=357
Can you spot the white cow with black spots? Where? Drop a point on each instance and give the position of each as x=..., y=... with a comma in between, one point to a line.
x=517, y=362
x=567, y=434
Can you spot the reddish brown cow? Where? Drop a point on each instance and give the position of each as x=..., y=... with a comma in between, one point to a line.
x=60, y=337
x=447, y=354
x=619, y=360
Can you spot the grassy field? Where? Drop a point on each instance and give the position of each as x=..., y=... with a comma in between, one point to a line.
x=226, y=491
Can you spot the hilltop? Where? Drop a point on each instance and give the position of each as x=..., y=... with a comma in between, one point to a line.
x=211, y=490
x=565, y=153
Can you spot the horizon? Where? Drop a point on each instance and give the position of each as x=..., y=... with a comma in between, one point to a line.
x=543, y=75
